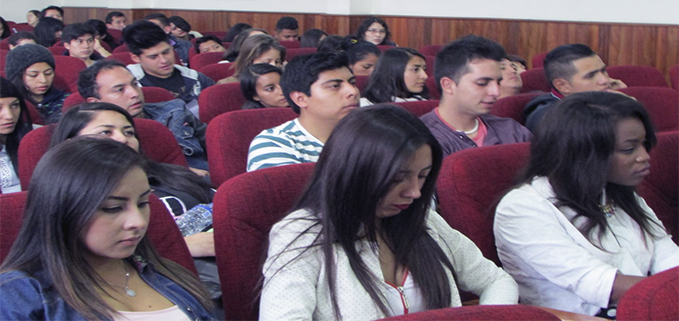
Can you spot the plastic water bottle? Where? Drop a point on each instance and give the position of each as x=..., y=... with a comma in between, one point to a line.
x=195, y=220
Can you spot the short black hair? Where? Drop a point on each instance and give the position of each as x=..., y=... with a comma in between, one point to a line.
x=287, y=23
x=559, y=62
x=204, y=39
x=330, y=43
x=452, y=61
x=113, y=14
x=303, y=71
x=99, y=26
x=143, y=34
x=87, y=79
x=61, y=11
x=180, y=23
x=235, y=30
x=358, y=49
x=75, y=30
x=311, y=37
x=15, y=38
x=517, y=58
x=46, y=29
x=160, y=17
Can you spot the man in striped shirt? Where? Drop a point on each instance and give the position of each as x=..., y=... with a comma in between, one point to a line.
x=322, y=89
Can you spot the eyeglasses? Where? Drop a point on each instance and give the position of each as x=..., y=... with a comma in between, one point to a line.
x=377, y=31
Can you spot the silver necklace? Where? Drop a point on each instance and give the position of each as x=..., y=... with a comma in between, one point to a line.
x=128, y=291
x=476, y=127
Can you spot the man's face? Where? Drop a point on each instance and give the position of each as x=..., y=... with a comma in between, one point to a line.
x=591, y=75
x=119, y=87
x=333, y=96
x=157, y=61
x=287, y=35
x=118, y=23
x=210, y=46
x=81, y=47
x=476, y=91
x=54, y=13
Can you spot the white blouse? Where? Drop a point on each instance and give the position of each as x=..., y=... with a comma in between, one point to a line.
x=9, y=180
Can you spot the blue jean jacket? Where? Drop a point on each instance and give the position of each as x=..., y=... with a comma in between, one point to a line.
x=32, y=297
x=186, y=128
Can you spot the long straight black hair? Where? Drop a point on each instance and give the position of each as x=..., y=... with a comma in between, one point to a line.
x=69, y=184
x=387, y=81
x=23, y=126
x=573, y=147
x=356, y=169
x=176, y=177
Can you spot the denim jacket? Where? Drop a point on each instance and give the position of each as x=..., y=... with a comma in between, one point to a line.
x=32, y=297
x=186, y=128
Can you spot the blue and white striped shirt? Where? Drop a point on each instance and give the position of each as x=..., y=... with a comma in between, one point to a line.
x=288, y=143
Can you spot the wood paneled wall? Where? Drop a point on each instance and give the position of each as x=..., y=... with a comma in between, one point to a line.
x=617, y=44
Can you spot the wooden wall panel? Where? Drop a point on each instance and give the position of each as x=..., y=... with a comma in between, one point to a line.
x=617, y=44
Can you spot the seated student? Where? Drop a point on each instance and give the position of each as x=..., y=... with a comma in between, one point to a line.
x=399, y=76
x=362, y=55
x=375, y=30
x=311, y=38
x=186, y=195
x=5, y=31
x=520, y=63
x=116, y=20
x=31, y=69
x=79, y=41
x=152, y=51
x=48, y=31
x=53, y=12
x=574, y=234
x=182, y=29
x=235, y=30
x=82, y=251
x=32, y=17
x=181, y=46
x=21, y=38
x=287, y=29
x=101, y=34
x=15, y=123
x=209, y=44
x=511, y=82
x=256, y=49
x=234, y=49
x=322, y=90
x=109, y=81
x=261, y=87
x=569, y=69
x=468, y=77
x=363, y=242
x=330, y=43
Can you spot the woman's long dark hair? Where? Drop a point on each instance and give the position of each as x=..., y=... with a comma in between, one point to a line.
x=234, y=49
x=253, y=47
x=69, y=184
x=387, y=82
x=46, y=29
x=573, y=147
x=363, y=27
x=248, y=83
x=23, y=126
x=175, y=177
x=311, y=37
x=6, y=32
x=357, y=168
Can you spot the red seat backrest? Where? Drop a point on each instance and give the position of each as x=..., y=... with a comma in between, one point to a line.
x=57, y=50
x=539, y=59
x=245, y=209
x=218, y=71
x=157, y=143
x=229, y=136
x=198, y=61
x=653, y=299
x=433, y=89
x=22, y=27
x=162, y=230
x=638, y=76
x=674, y=77
x=662, y=104
x=661, y=187
x=479, y=313
x=534, y=79
x=121, y=48
x=430, y=50
x=290, y=44
x=116, y=34
x=36, y=118
x=151, y=95
x=362, y=82
x=218, y=99
x=68, y=68
x=4, y=44
x=512, y=106
x=419, y=108
x=122, y=56
x=430, y=61
x=3, y=61
x=384, y=48
x=471, y=183
x=294, y=52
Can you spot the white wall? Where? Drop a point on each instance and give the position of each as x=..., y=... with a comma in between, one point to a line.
x=620, y=11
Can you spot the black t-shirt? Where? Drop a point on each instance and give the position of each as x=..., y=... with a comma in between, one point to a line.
x=174, y=84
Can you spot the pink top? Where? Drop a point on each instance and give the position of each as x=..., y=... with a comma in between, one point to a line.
x=172, y=313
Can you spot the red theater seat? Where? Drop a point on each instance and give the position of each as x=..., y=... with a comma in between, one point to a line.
x=479, y=313
x=512, y=106
x=218, y=71
x=294, y=52
x=654, y=298
x=638, y=76
x=662, y=104
x=218, y=99
x=431, y=50
x=534, y=80
x=419, y=108
x=198, y=61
